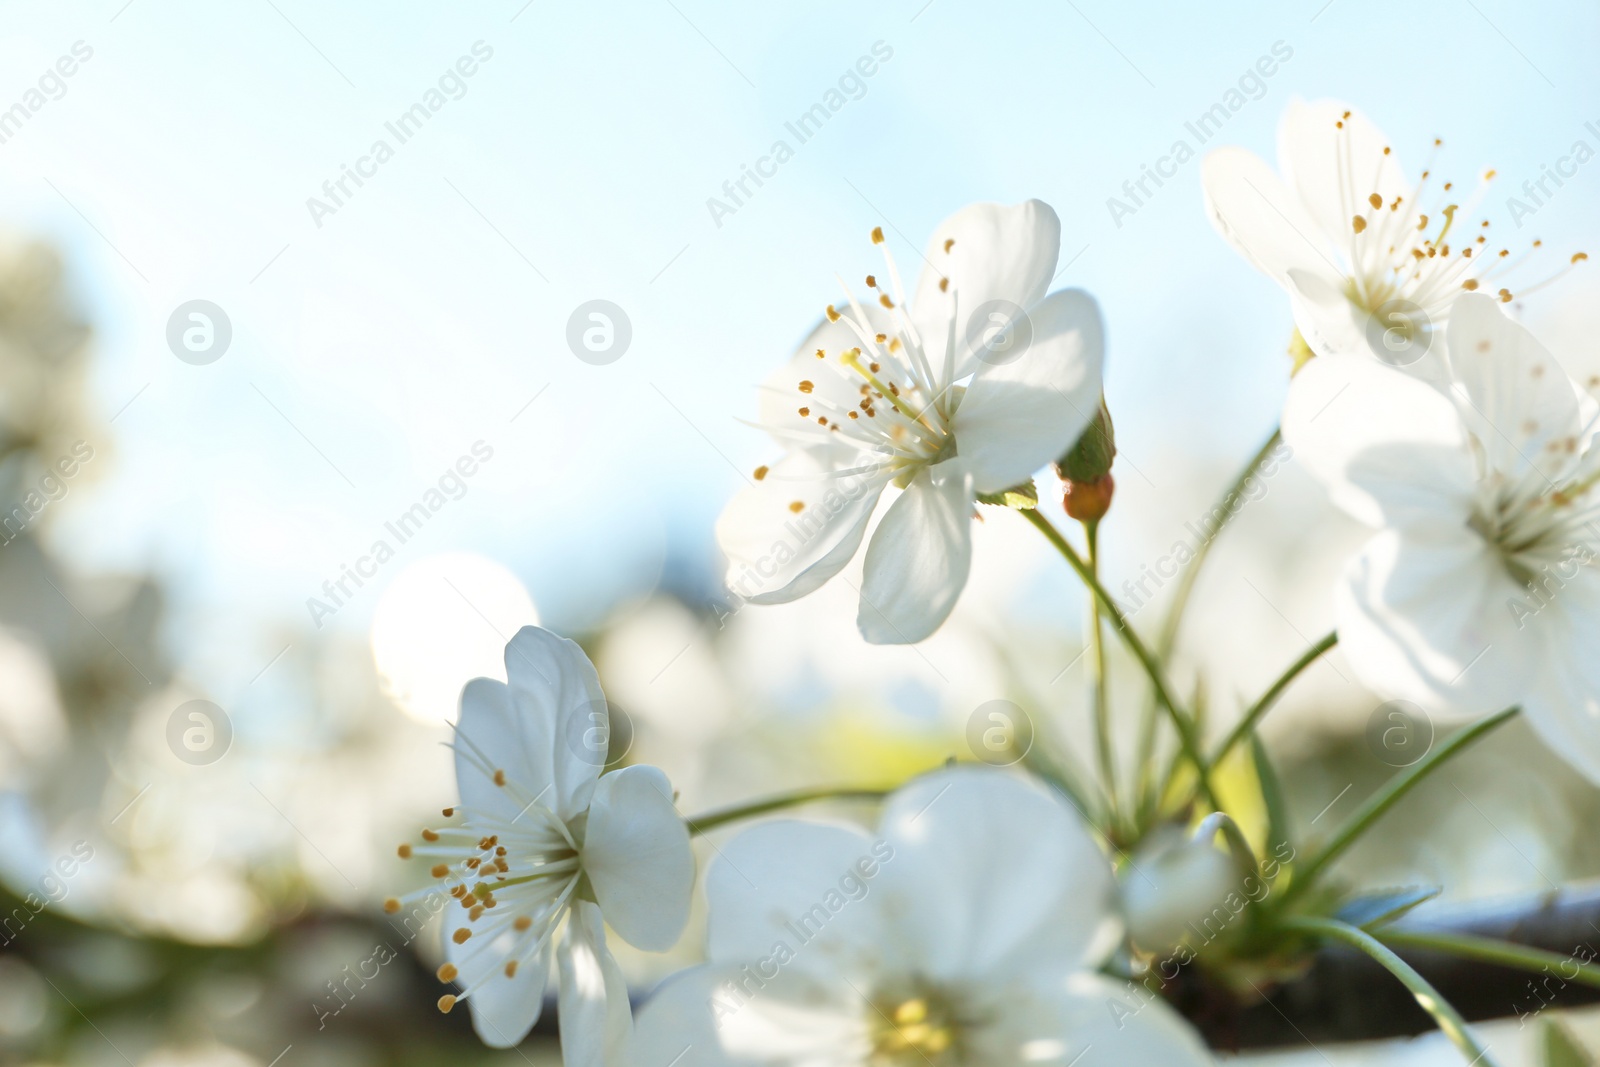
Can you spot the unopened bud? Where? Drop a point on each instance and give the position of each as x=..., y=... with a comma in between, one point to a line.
x=1088, y=501
x=1091, y=456
x=1170, y=884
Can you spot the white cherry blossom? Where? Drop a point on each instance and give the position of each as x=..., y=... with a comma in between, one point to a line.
x=967, y=931
x=1478, y=589
x=1371, y=260
x=545, y=851
x=968, y=387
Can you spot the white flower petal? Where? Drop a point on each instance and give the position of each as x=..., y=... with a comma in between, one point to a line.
x=596, y=1020
x=1333, y=168
x=719, y=1016
x=1089, y=1021
x=491, y=727
x=503, y=1009
x=1424, y=616
x=638, y=859
x=1388, y=448
x=996, y=252
x=777, y=553
x=806, y=885
x=1252, y=208
x=1024, y=412
x=1329, y=323
x=1520, y=404
x=1564, y=705
x=991, y=875
x=918, y=560
x=558, y=700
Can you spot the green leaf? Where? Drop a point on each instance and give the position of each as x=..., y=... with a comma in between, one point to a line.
x=1559, y=1048
x=1383, y=906
x=1025, y=496
x=1271, y=796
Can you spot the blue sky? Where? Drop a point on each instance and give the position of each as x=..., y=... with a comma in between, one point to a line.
x=371, y=351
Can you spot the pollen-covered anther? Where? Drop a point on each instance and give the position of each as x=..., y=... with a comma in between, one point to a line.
x=805, y=413
x=1470, y=285
x=521, y=922
x=1579, y=257
x=807, y=386
x=447, y=972
x=833, y=315
x=821, y=354
x=872, y=282
x=447, y=1002
x=461, y=935
x=877, y=235
x=1375, y=200
x=404, y=851
x=1358, y=223
x=429, y=835
x=474, y=914
x=944, y=285
x=391, y=905
x=760, y=472
x=511, y=968
x=880, y=338
x=949, y=243
x=883, y=298
x=499, y=777
x=439, y=870
x=797, y=506
x=1505, y=296
x=447, y=812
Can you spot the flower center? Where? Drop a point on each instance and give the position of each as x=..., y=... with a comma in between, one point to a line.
x=882, y=394
x=923, y=1028
x=1400, y=247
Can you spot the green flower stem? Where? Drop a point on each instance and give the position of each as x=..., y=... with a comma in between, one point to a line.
x=1379, y=804
x=1185, y=729
x=711, y=820
x=1270, y=697
x=1448, y=1019
x=1102, y=712
x=1492, y=950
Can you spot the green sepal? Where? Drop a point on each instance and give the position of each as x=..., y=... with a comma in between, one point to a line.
x=1024, y=496
x=1090, y=458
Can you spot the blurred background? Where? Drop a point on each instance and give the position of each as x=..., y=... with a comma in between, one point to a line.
x=221, y=706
